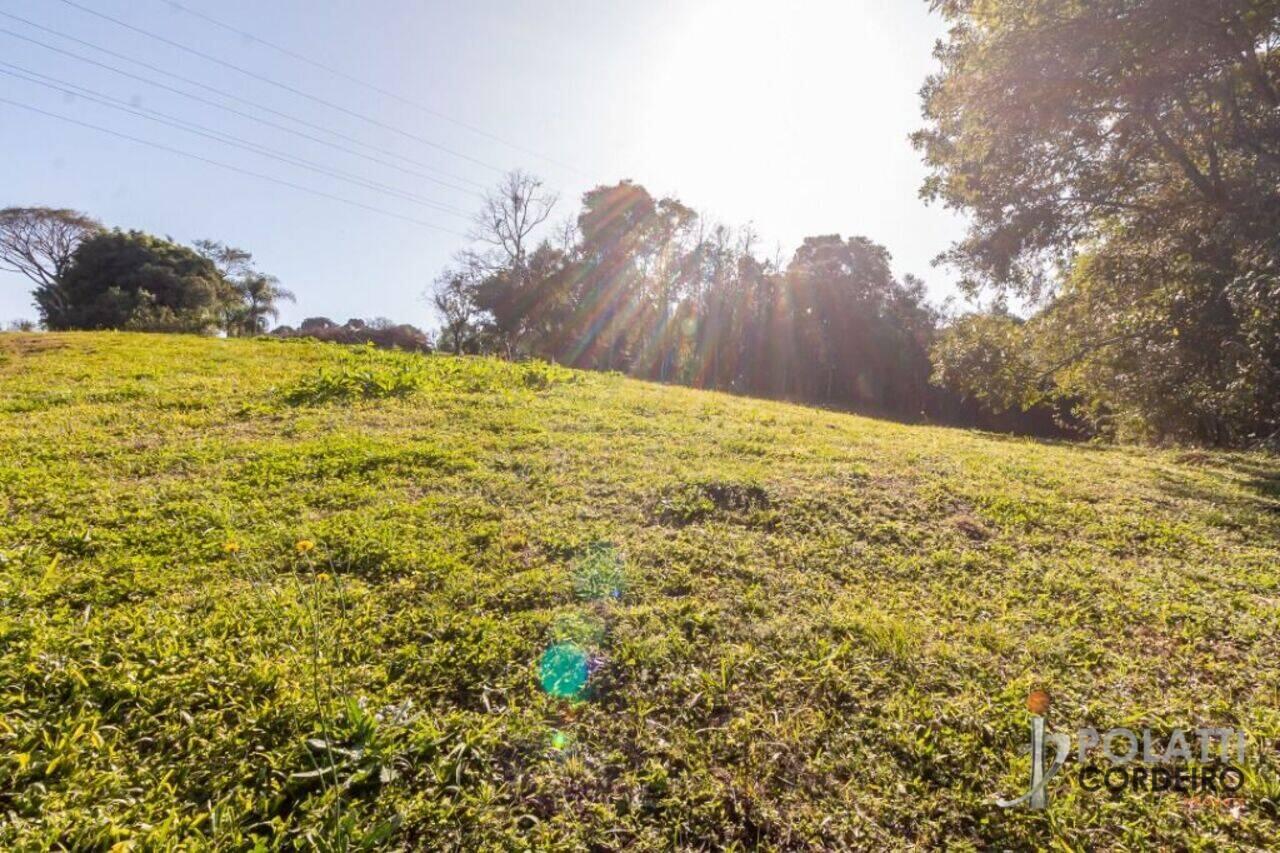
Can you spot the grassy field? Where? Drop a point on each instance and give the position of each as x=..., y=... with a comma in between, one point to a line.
x=288, y=594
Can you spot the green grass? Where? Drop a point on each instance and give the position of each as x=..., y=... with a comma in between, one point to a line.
x=548, y=609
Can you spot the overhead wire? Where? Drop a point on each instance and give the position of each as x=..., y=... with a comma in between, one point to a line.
x=373, y=87
x=222, y=93
x=91, y=95
x=283, y=86
x=233, y=168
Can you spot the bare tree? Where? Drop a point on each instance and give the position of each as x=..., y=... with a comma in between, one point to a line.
x=509, y=216
x=38, y=241
x=504, y=228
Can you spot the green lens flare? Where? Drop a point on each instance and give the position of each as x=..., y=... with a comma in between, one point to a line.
x=564, y=671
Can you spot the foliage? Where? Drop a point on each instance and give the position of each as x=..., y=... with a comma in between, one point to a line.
x=359, y=376
x=988, y=355
x=1119, y=162
x=451, y=297
x=131, y=280
x=369, y=374
x=829, y=648
x=380, y=332
x=645, y=286
x=254, y=296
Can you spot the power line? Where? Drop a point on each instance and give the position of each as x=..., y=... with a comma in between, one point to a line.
x=285, y=86
x=218, y=136
x=230, y=167
x=337, y=72
x=231, y=97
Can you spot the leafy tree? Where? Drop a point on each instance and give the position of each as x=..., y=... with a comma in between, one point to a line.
x=253, y=297
x=314, y=324
x=647, y=286
x=502, y=272
x=524, y=307
x=858, y=343
x=232, y=262
x=452, y=297
x=988, y=355
x=627, y=277
x=1120, y=164
x=132, y=280
x=379, y=332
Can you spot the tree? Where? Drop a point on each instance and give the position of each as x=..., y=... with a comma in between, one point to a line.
x=132, y=280
x=261, y=294
x=251, y=296
x=504, y=227
x=647, y=286
x=451, y=296
x=38, y=242
x=1120, y=164
x=525, y=307
x=316, y=324
x=379, y=332
x=232, y=262
x=509, y=216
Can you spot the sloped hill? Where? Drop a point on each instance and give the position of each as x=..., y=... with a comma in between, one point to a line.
x=295, y=592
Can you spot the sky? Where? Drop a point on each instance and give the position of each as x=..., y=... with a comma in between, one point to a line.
x=791, y=117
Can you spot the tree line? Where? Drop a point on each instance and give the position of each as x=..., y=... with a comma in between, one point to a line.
x=1120, y=163
x=89, y=277
x=648, y=287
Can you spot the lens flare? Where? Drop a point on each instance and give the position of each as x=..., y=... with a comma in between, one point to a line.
x=575, y=654
x=564, y=671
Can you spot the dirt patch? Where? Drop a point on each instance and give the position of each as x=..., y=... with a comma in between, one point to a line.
x=29, y=343
x=971, y=527
x=691, y=502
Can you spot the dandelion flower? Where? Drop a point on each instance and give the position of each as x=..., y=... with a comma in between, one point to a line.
x=231, y=547
x=322, y=577
x=304, y=545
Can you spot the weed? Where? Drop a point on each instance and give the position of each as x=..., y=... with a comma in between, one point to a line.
x=362, y=375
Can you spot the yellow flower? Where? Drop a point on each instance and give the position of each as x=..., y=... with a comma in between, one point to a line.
x=304, y=545
x=231, y=547
x=322, y=577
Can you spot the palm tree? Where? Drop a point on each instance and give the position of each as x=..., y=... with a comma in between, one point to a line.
x=260, y=294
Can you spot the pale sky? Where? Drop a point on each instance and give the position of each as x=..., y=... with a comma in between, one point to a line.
x=790, y=116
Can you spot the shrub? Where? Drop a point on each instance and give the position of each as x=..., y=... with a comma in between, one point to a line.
x=131, y=280
x=380, y=333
